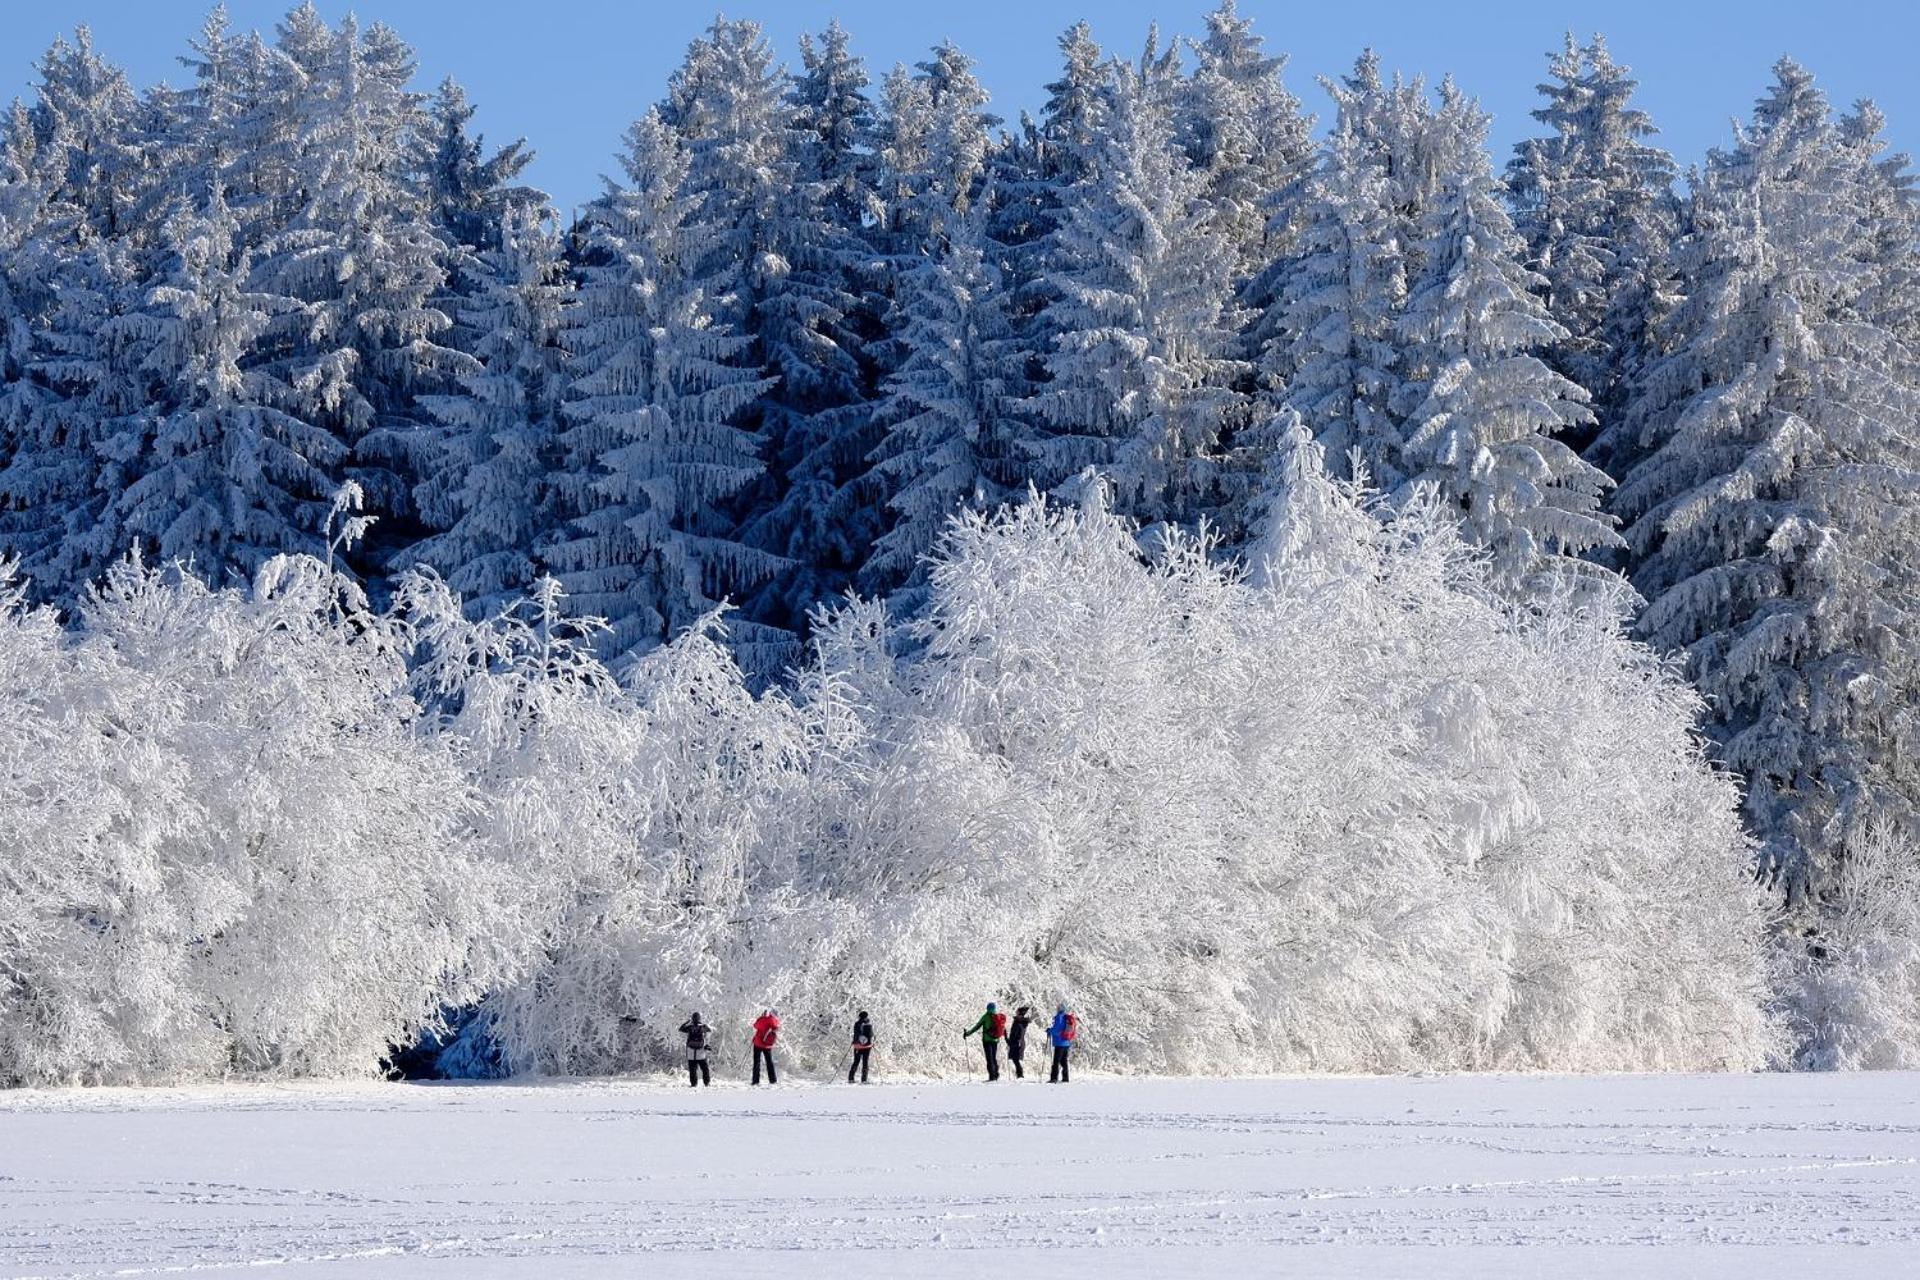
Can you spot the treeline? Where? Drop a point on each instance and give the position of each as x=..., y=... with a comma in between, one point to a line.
x=1353, y=814
x=815, y=314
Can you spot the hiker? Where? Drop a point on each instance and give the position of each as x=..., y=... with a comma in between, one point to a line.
x=1017, y=1039
x=696, y=1033
x=1064, y=1031
x=862, y=1046
x=993, y=1029
x=766, y=1030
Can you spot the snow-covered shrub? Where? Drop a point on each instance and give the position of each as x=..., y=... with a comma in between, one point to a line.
x=229, y=847
x=640, y=817
x=1360, y=817
x=1855, y=994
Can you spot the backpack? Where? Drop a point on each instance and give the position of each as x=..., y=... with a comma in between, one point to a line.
x=1072, y=1032
x=999, y=1026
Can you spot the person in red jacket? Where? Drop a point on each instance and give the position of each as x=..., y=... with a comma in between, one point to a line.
x=766, y=1030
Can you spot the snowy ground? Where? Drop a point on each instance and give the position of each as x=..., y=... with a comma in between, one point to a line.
x=1442, y=1176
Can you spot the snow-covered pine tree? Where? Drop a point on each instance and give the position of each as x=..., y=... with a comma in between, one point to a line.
x=1032, y=169
x=73, y=399
x=86, y=147
x=1075, y=112
x=244, y=114
x=472, y=193
x=1772, y=522
x=1251, y=142
x=774, y=267
x=952, y=437
x=1306, y=525
x=491, y=489
x=1594, y=202
x=834, y=118
x=652, y=458
x=1326, y=336
x=1890, y=213
x=78, y=421
x=1332, y=353
x=1402, y=133
x=934, y=143
x=1140, y=324
x=472, y=196
x=360, y=252
x=231, y=478
x=1484, y=411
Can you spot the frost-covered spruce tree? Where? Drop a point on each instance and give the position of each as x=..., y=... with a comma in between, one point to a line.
x=933, y=145
x=359, y=251
x=1771, y=522
x=1889, y=205
x=491, y=492
x=78, y=420
x=230, y=478
x=834, y=117
x=86, y=143
x=1401, y=130
x=933, y=156
x=1247, y=135
x=774, y=268
x=1594, y=202
x=73, y=397
x=1332, y=352
x=1031, y=172
x=1253, y=145
x=1140, y=327
x=1075, y=112
x=1326, y=335
x=1484, y=410
x=652, y=458
x=952, y=433
x=473, y=193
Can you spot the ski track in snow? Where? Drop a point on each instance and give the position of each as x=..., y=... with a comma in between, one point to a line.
x=1436, y=1176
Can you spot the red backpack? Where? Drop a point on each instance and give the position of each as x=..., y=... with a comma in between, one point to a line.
x=1073, y=1027
x=999, y=1026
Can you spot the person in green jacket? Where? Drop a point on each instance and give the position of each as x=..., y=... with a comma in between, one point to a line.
x=993, y=1029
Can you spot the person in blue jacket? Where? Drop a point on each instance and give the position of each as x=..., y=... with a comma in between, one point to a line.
x=1064, y=1031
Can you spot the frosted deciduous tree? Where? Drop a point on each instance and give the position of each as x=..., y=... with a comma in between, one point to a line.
x=228, y=848
x=1332, y=874
x=1854, y=991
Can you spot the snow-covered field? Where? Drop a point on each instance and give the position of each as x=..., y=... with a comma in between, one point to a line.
x=1813, y=1175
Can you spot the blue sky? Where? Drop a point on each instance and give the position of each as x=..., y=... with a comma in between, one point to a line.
x=569, y=74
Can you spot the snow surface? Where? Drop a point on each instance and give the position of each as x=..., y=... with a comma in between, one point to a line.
x=1813, y=1175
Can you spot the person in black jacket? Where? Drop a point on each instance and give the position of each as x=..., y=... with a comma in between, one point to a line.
x=1017, y=1038
x=862, y=1046
x=696, y=1033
